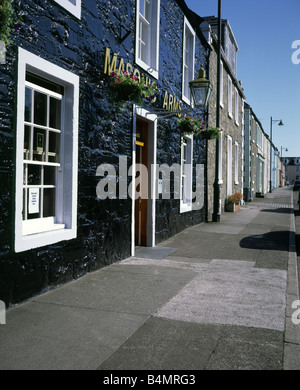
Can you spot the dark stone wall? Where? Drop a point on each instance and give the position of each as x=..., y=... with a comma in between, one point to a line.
x=105, y=133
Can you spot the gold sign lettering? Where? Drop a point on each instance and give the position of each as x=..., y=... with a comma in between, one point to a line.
x=170, y=102
x=110, y=66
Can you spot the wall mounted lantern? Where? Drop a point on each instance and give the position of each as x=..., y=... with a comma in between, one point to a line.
x=201, y=89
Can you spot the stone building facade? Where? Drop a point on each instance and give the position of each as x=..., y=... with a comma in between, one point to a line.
x=231, y=147
x=261, y=160
x=63, y=137
x=292, y=169
x=256, y=163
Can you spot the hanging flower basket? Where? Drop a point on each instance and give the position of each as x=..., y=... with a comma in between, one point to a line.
x=194, y=126
x=211, y=133
x=190, y=126
x=126, y=87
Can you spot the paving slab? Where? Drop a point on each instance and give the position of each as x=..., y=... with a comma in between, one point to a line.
x=121, y=289
x=153, y=253
x=163, y=344
x=292, y=357
x=234, y=293
x=272, y=259
x=42, y=336
x=243, y=348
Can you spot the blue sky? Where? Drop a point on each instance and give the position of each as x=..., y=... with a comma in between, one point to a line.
x=264, y=31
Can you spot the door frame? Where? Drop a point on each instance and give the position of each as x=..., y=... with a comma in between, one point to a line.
x=152, y=151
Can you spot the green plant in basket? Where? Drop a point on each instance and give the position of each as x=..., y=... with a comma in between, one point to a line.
x=190, y=126
x=211, y=133
x=127, y=87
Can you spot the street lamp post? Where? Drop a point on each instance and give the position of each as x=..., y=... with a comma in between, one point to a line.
x=217, y=185
x=285, y=150
x=271, y=125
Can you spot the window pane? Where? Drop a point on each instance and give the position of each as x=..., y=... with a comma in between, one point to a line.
x=39, y=145
x=186, y=81
x=33, y=203
x=49, y=175
x=55, y=113
x=28, y=108
x=25, y=174
x=184, y=184
x=49, y=202
x=144, y=42
x=44, y=83
x=34, y=175
x=145, y=9
x=40, y=108
x=27, y=137
x=54, y=147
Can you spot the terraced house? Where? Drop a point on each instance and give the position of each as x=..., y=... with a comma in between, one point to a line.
x=84, y=169
x=263, y=166
x=257, y=157
x=230, y=149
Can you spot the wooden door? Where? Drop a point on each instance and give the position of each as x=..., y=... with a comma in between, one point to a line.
x=140, y=203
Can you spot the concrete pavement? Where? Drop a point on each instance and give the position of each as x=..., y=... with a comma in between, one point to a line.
x=215, y=296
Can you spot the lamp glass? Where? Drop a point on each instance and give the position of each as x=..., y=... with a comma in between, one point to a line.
x=201, y=91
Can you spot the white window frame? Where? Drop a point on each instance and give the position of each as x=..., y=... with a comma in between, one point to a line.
x=64, y=226
x=236, y=163
x=229, y=165
x=187, y=29
x=186, y=170
x=236, y=113
x=152, y=66
x=72, y=8
x=253, y=168
x=253, y=129
x=221, y=84
x=229, y=96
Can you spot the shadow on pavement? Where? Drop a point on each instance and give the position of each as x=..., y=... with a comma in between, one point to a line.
x=272, y=241
x=278, y=210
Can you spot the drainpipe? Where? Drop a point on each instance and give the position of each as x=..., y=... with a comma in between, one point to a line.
x=217, y=185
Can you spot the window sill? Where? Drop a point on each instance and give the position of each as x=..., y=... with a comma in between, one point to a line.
x=186, y=100
x=42, y=225
x=26, y=242
x=152, y=72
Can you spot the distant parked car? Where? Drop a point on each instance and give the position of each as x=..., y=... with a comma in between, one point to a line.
x=296, y=185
